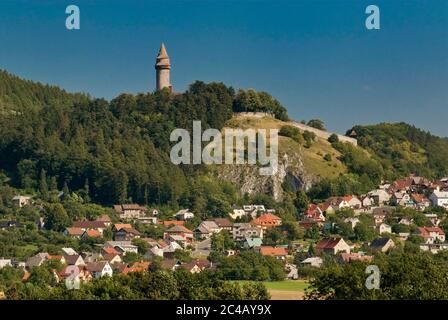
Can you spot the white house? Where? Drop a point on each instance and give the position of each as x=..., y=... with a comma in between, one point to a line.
x=5, y=262
x=312, y=262
x=100, y=269
x=20, y=201
x=439, y=198
x=237, y=213
x=379, y=196
x=184, y=214
x=431, y=234
x=384, y=228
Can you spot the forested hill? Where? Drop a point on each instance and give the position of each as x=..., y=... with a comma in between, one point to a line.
x=117, y=151
x=403, y=149
x=17, y=95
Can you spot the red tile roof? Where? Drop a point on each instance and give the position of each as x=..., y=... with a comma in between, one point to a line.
x=267, y=219
x=328, y=243
x=425, y=231
x=273, y=251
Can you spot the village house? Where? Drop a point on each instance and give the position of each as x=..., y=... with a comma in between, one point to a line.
x=267, y=221
x=224, y=224
x=21, y=201
x=170, y=264
x=251, y=243
x=421, y=202
x=57, y=258
x=312, y=262
x=382, y=244
x=403, y=236
x=5, y=263
x=439, y=198
x=434, y=248
x=334, y=204
x=91, y=256
x=90, y=233
x=81, y=274
x=206, y=229
x=242, y=230
x=332, y=246
x=379, y=196
x=112, y=258
x=69, y=251
x=380, y=214
x=90, y=225
x=100, y=269
x=75, y=233
x=431, y=234
x=350, y=257
x=122, y=247
x=292, y=272
x=37, y=260
x=314, y=213
x=169, y=223
x=384, y=228
x=195, y=266
x=129, y=211
x=125, y=232
x=74, y=260
x=104, y=219
x=279, y=253
x=184, y=214
x=401, y=199
x=367, y=201
x=237, y=213
x=181, y=231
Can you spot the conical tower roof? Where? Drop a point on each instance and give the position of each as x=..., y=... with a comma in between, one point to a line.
x=162, y=52
x=163, y=60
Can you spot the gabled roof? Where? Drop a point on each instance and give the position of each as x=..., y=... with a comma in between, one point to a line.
x=110, y=250
x=96, y=266
x=129, y=231
x=72, y=259
x=273, y=251
x=168, y=223
x=75, y=231
x=104, y=218
x=85, y=224
x=254, y=242
x=266, y=218
x=179, y=229
x=92, y=233
x=328, y=243
x=379, y=242
x=223, y=222
x=425, y=231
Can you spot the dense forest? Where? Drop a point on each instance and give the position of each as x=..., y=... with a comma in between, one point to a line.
x=117, y=151
x=403, y=149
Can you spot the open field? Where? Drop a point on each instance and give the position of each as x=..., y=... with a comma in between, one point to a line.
x=285, y=290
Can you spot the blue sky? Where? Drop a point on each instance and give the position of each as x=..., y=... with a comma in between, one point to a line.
x=315, y=56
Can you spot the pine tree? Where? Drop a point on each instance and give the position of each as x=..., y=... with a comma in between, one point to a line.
x=43, y=186
x=65, y=190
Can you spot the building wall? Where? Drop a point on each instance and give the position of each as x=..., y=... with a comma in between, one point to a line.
x=163, y=79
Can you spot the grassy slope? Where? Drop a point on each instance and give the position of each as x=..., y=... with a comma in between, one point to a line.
x=312, y=157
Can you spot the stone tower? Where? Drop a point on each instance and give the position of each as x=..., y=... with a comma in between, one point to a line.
x=163, y=67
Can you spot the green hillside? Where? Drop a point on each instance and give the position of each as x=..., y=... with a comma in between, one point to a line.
x=403, y=149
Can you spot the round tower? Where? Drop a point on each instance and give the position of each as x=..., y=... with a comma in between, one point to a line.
x=163, y=67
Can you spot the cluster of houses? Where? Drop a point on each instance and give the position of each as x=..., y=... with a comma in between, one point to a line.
x=413, y=192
